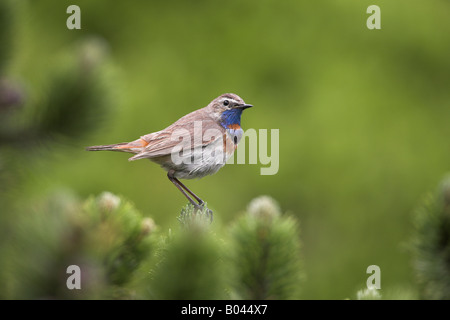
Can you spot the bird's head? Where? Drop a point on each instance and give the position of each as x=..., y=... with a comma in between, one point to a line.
x=228, y=108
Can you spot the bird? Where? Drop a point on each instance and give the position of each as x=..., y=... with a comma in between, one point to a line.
x=196, y=145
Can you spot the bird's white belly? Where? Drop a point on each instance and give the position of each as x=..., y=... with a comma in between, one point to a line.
x=201, y=161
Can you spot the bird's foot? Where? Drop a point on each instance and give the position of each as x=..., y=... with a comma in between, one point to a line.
x=202, y=208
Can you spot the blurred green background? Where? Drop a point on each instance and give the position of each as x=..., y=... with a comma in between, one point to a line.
x=363, y=114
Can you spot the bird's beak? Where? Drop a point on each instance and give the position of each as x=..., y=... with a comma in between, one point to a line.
x=244, y=106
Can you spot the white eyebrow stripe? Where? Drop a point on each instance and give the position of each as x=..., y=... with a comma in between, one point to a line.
x=229, y=99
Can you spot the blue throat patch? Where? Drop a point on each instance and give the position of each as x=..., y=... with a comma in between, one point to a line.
x=232, y=116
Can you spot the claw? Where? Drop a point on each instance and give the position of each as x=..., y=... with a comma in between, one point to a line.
x=201, y=207
x=210, y=213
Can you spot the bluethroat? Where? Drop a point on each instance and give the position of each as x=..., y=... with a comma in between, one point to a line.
x=196, y=145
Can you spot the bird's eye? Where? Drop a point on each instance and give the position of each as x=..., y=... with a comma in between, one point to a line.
x=226, y=102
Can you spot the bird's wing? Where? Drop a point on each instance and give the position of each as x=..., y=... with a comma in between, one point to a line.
x=190, y=132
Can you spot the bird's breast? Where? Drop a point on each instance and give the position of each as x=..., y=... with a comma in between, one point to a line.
x=231, y=138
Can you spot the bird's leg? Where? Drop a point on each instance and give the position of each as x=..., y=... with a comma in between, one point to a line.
x=200, y=201
x=179, y=185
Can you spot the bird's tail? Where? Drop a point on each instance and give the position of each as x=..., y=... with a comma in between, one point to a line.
x=124, y=147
